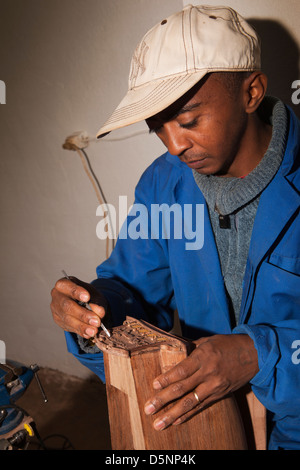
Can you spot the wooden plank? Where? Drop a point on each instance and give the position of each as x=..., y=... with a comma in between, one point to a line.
x=259, y=421
x=124, y=416
x=218, y=427
x=134, y=355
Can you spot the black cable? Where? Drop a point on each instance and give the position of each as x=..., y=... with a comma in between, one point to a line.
x=66, y=444
x=16, y=438
x=16, y=407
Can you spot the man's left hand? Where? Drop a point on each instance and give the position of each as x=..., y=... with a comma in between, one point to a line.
x=217, y=366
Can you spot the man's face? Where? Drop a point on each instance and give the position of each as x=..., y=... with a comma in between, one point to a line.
x=205, y=128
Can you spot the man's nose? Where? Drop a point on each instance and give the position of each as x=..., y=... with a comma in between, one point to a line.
x=176, y=139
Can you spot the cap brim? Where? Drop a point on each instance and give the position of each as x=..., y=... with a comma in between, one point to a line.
x=145, y=101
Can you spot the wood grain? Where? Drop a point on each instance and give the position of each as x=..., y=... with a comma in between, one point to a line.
x=134, y=355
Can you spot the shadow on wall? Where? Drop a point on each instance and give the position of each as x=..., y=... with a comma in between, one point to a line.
x=280, y=60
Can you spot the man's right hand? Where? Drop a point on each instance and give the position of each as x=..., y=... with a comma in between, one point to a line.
x=69, y=315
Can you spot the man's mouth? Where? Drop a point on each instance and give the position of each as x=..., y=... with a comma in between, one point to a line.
x=195, y=163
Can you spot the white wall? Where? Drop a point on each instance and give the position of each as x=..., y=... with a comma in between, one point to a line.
x=65, y=65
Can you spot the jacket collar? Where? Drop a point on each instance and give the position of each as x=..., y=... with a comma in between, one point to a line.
x=281, y=199
x=290, y=164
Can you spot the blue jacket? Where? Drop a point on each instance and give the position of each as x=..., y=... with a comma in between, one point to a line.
x=149, y=277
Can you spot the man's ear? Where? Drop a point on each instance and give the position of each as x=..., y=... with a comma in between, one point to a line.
x=254, y=89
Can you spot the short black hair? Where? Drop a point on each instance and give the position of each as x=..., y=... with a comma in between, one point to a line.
x=232, y=81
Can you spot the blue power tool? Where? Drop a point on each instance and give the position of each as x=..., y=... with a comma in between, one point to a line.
x=15, y=424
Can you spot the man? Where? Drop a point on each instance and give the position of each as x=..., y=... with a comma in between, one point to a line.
x=196, y=79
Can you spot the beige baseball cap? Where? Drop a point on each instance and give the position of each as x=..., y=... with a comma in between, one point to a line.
x=178, y=52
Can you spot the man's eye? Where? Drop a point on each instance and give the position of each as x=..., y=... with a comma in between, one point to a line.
x=189, y=125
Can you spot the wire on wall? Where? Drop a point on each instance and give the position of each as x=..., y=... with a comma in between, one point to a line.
x=99, y=193
x=80, y=140
x=77, y=142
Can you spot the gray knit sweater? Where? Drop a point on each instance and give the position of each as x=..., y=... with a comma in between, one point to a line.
x=238, y=199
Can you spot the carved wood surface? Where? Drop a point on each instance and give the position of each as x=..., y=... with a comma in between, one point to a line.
x=134, y=355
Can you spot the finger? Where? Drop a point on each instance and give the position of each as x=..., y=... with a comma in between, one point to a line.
x=73, y=290
x=72, y=317
x=200, y=406
x=97, y=309
x=181, y=371
x=92, y=320
x=202, y=396
x=178, y=413
x=76, y=320
x=172, y=392
x=86, y=291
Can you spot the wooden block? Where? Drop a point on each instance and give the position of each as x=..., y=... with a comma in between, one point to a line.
x=134, y=355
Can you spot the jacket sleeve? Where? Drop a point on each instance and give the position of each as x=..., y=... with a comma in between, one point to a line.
x=277, y=384
x=136, y=279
